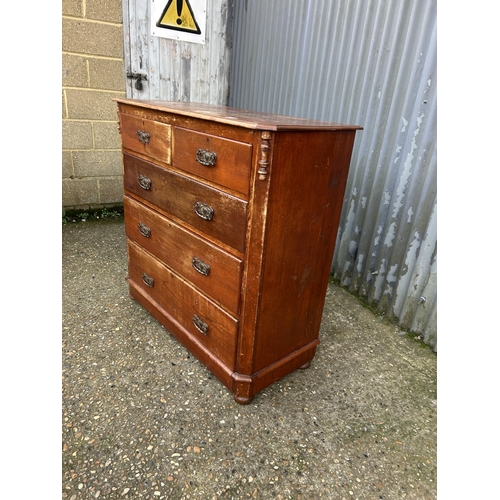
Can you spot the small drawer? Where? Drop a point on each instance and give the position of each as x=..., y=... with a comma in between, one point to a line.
x=216, y=213
x=215, y=272
x=222, y=161
x=147, y=137
x=197, y=315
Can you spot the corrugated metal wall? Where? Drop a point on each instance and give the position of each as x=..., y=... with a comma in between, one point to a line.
x=370, y=63
x=178, y=70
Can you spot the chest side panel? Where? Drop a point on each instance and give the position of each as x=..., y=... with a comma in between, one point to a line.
x=308, y=179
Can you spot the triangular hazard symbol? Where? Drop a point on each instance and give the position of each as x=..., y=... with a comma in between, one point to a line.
x=178, y=15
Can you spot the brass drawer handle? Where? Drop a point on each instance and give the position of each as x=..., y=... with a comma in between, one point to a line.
x=144, y=182
x=143, y=136
x=205, y=157
x=200, y=266
x=144, y=230
x=204, y=211
x=200, y=325
x=148, y=280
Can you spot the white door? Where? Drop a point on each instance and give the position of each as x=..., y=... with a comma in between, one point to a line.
x=175, y=69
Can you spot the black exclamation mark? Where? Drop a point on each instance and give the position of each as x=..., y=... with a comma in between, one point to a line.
x=179, y=11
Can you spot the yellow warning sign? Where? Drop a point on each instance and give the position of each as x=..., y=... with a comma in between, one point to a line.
x=178, y=15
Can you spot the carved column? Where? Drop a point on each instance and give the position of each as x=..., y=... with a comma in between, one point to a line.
x=265, y=148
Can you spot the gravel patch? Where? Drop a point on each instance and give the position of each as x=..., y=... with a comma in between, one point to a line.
x=142, y=418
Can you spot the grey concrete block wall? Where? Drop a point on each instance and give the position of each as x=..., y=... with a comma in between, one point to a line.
x=92, y=75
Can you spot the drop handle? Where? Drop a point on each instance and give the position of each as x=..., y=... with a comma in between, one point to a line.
x=148, y=280
x=144, y=230
x=143, y=136
x=206, y=157
x=144, y=182
x=200, y=325
x=200, y=266
x=203, y=210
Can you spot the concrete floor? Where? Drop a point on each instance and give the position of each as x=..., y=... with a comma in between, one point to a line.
x=142, y=418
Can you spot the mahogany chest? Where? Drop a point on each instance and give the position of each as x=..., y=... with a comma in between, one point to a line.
x=231, y=220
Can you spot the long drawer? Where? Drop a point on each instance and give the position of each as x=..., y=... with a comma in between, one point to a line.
x=216, y=213
x=147, y=136
x=223, y=161
x=198, y=316
x=216, y=272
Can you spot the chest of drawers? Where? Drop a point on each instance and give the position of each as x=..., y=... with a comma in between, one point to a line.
x=231, y=219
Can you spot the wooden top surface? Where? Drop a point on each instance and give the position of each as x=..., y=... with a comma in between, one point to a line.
x=235, y=116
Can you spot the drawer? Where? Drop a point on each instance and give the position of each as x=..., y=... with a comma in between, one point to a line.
x=216, y=272
x=222, y=161
x=207, y=209
x=147, y=137
x=196, y=314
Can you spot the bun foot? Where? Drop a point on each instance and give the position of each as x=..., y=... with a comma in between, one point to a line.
x=241, y=400
x=305, y=366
